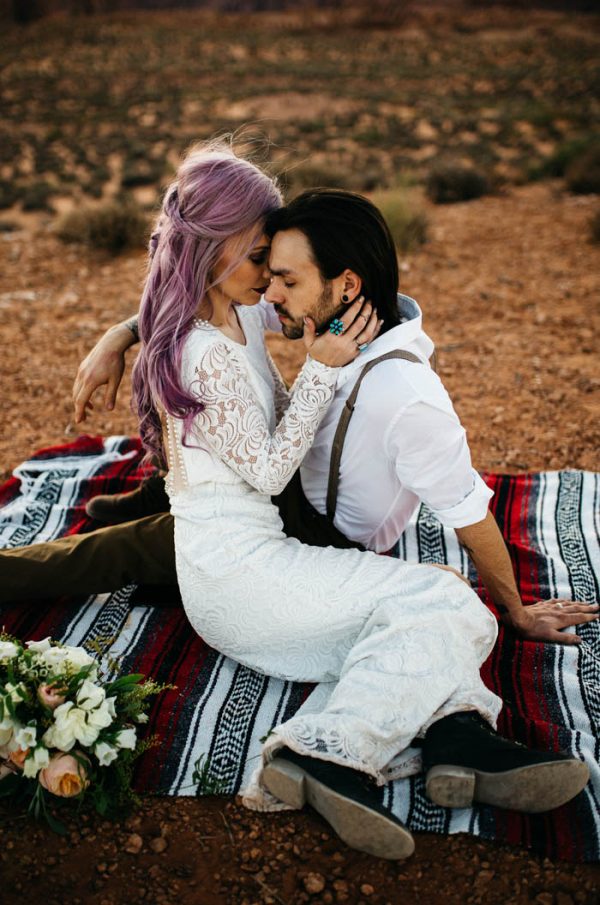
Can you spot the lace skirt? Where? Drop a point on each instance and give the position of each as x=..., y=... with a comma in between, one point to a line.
x=395, y=645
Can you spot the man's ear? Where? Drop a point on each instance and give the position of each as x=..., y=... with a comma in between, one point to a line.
x=351, y=286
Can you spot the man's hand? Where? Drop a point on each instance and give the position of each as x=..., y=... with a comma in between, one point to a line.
x=103, y=366
x=544, y=620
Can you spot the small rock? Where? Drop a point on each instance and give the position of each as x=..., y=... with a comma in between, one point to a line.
x=367, y=889
x=314, y=883
x=563, y=898
x=545, y=898
x=484, y=876
x=101, y=868
x=158, y=845
x=134, y=844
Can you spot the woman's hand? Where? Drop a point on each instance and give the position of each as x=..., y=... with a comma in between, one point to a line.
x=360, y=325
x=103, y=366
x=543, y=621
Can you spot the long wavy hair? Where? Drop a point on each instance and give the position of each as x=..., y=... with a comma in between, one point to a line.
x=216, y=196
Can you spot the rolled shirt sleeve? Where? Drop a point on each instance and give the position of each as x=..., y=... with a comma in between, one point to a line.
x=432, y=459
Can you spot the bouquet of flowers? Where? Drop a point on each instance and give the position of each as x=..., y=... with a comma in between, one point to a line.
x=64, y=732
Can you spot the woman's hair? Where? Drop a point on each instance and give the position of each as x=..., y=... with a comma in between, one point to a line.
x=346, y=230
x=215, y=196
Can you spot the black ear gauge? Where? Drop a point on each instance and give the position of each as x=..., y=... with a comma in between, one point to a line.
x=345, y=298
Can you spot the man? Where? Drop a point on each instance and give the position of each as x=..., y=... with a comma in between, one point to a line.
x=403, y=444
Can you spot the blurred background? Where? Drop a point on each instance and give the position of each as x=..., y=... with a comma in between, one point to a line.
x=101, y=97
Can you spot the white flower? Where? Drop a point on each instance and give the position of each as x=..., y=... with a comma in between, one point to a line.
x=110, y=703
x=39, y=647
x=90, y=696
x=55, y=659
x=126, y=739
x=8, y=650
x=79, y=658
x=25, y=736
x=70, y=725
x=141, y=718
x=100, y=718
x=17, y=693
x=33, y=765
x=105, y=753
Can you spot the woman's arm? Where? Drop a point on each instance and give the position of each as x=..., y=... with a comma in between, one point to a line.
x=234, y=425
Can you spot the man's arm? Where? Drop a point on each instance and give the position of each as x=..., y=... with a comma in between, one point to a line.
x=103, y=366
x=541, y=621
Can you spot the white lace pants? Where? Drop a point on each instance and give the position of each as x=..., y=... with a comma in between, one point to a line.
x=398, y=645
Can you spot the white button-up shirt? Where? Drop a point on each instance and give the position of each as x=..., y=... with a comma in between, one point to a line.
x=405, y=444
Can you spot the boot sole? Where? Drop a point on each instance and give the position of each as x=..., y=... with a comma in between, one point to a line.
x=357, y=825
x=532, y=789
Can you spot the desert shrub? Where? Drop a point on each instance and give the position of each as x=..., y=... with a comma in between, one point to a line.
x=113, y=226
x=448, y=183
x=36, y=196
x=583, y=174
x=594, y=226
x=309, y=175
x=556, y=165
x=9, y=193
x=408, y=224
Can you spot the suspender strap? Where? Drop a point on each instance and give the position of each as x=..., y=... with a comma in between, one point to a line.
x=340, y=433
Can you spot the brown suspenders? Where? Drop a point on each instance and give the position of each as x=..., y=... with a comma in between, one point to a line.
x=347, y=412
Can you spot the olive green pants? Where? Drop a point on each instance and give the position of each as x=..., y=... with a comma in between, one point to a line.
x=141, y=552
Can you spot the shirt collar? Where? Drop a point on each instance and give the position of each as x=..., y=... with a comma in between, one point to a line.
x=408, y=335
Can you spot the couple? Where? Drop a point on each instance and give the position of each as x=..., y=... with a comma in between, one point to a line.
x=401, y=644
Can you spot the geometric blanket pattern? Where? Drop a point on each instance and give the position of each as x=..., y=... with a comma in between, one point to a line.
x=220, y=710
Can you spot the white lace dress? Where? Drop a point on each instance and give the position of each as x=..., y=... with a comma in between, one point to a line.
x=395, y=645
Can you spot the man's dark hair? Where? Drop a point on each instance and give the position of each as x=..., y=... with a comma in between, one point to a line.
x=345, y=230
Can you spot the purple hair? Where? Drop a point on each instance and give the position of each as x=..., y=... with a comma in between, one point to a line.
x=215, y=196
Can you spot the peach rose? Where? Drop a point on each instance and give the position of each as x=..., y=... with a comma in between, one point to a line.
x=64, y=776
x=49, y=696
x=18, y=757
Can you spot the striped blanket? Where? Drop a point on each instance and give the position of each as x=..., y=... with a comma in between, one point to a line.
x=220, y=710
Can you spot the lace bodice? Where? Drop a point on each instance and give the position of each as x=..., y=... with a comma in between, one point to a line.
x=237, y=437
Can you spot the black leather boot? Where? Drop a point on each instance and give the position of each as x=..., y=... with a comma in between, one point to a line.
x=346, y=798
x=150, y=498
x=466, y=760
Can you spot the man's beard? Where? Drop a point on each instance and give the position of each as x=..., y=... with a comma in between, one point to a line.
x=322, y=313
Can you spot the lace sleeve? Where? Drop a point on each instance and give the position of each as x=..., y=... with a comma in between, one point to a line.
x=234, y=425
x=282, y=396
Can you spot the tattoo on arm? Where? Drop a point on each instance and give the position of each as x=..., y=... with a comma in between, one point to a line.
x=132, y=324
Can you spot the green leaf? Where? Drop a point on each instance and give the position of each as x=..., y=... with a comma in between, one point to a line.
x=123, y=682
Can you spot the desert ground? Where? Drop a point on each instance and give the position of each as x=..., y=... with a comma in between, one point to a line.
x=509, y=284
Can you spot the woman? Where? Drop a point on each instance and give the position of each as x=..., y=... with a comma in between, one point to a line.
x=400, y=645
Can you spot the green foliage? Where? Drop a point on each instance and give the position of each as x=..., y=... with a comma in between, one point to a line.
x=556, y=165
x=583, y=174
x=113, y=226
x=205, y=783
x=408, y=224
x=449, y=183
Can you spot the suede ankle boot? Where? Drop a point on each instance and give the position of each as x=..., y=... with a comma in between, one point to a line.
x=466, y=761
x=346, y=798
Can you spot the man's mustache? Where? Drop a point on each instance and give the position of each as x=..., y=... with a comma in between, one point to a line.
x=281, y=310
